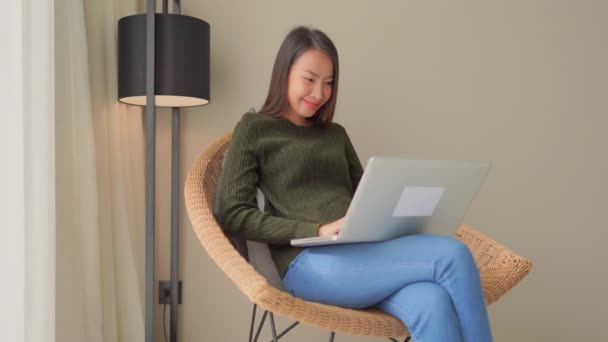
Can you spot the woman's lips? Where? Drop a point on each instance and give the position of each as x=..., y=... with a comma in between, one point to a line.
x=311, y=105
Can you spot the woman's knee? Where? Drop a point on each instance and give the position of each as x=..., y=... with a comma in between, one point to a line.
x=455, y=248
x=456, y=254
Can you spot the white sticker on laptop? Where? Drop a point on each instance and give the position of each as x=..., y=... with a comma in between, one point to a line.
x=418, y=201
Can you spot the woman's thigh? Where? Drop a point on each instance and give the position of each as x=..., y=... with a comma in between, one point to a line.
x=361, y=275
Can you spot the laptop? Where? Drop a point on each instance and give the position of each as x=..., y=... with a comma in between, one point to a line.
x=398, y=196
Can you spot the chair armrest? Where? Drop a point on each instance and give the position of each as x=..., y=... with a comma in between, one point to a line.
x=500, y=268
x=497, y=280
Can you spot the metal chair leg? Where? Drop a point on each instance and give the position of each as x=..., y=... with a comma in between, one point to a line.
x=407, y=339
x=274, y=330
x=255, y=306
x=257, y=334
x=287, y=330
x=275, y=337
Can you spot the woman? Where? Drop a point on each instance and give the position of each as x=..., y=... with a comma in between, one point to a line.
x=308, y=170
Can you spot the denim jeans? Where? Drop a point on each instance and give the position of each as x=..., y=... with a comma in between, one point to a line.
x=429, y=282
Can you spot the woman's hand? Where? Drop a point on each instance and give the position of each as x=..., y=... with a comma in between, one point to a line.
x=332, y=228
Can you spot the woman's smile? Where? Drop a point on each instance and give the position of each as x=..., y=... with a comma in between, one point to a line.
x=311, y=105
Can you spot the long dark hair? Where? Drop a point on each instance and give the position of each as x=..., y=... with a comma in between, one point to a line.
x=297, y=41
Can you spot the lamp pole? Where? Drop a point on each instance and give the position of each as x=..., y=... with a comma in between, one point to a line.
x=175, y=134
x=150, y=167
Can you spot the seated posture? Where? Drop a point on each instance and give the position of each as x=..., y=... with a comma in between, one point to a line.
x=308, y=170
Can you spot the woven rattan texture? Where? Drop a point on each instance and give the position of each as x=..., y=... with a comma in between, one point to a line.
x=500, y=268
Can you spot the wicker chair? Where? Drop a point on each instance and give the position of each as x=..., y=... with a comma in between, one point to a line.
x=500, y=268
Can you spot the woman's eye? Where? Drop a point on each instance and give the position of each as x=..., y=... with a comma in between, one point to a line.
x=308, y=79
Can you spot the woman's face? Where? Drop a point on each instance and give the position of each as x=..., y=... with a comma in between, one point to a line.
x=309, y=85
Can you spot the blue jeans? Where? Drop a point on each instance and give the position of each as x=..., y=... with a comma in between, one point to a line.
x=429, y=282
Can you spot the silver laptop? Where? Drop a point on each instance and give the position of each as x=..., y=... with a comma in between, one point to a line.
x=398, y=196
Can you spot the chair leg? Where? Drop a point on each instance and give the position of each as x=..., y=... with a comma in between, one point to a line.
x=257, y=334
x=276, y=338
x=274, y=330
x=255, y=306
x=287, y=330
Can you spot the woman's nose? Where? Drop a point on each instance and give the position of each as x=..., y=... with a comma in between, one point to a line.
x=317, y=91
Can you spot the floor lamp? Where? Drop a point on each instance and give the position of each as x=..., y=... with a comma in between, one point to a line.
x=163, y=60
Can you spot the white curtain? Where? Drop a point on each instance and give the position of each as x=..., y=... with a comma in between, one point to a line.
x=27, y=175
x=100, y=181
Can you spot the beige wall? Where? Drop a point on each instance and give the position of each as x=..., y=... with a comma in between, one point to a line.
x=521, y=83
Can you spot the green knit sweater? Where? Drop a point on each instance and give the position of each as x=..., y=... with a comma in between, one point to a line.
x=307, y=174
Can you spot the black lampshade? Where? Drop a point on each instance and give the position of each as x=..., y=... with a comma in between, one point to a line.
x=182, y=60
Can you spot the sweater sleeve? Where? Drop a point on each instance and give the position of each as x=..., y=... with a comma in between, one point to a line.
x=238, y=211
x=355, y=169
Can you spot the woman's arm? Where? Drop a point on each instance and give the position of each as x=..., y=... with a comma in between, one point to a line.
x=238, y=210
x=355, y=169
